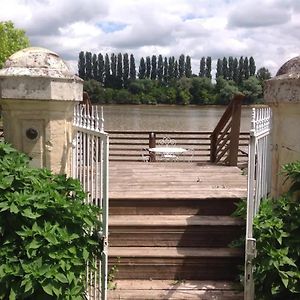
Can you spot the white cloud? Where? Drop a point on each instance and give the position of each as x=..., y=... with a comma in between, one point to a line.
x=268, y=30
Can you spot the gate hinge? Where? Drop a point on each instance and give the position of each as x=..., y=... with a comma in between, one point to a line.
x=250, y=249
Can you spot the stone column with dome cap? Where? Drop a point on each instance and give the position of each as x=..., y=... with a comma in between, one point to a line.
x=282, y=93
x=38, y=93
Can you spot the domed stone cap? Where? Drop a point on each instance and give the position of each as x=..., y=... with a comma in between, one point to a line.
x=37, y=62
x=291, y=68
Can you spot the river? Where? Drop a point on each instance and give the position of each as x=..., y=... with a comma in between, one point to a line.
x=167, y=117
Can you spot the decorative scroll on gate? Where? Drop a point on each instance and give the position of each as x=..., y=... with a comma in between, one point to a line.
x=90, y=166
x=259, y=182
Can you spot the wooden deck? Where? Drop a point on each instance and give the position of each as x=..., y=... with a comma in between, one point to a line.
x=175, y=180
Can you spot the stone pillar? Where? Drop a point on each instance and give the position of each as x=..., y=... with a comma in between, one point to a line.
x=282, y=93
x=38, y=93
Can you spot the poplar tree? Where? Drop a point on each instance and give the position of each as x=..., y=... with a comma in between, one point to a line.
x=176, y=71
x=125, y=69
x=202, y=67
x=230, y=68
x=132, y=70
x=252, y=67
x=113, y=65
x=208, y=67
x=119, y=75
x=235, y=71
x=160, y=68
x=142, y=69
x=241, y=70
x=181, y=66
x=166, y=71
x=219, y=68
x=88, y=65
x=81, y=65
x=225, y=68
x=188, y=67
x=153, y=67
x=107, y=75
x=100, y=77
x=95, y=66
x=148, y=67
x=171, y=67
x=246, y=68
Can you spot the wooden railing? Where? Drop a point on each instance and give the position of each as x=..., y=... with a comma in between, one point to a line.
x=133, y=145
x=225, y=137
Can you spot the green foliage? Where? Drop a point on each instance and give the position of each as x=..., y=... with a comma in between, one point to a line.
x=11, y=40
x=47, y=233
x=277, y=232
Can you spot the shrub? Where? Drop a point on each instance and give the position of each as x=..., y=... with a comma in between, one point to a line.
x=47, y=233
x=277, y=233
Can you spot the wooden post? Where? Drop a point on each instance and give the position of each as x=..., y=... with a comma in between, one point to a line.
x=235, y=132
x=213, y=147
x=152, y=144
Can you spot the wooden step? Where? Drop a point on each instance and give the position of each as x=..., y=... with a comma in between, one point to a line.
x=174, y=230
x=170, y=289
x=173, y=206
x=175, y=263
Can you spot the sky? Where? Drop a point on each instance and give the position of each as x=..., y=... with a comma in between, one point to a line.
x=268, y=30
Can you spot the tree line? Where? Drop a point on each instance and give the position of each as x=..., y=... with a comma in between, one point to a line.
x=115, y=78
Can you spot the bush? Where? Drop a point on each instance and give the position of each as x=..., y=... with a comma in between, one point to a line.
x=277, y=233
x=47, y=233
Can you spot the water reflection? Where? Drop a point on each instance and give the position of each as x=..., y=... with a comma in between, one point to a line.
x=167, y=117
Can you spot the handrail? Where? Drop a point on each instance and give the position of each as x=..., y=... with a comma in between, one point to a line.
x=225, y=137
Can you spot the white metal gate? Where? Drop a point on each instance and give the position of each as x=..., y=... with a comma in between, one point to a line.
x=90, y=166
x=259, y=182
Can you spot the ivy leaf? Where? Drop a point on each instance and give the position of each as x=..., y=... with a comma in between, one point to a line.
x=61, y=277
x=47, y=287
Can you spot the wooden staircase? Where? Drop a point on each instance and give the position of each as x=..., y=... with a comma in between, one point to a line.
x=173, y=247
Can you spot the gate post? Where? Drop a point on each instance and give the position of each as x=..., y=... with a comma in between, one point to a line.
x=282, y=93
x=38, y=93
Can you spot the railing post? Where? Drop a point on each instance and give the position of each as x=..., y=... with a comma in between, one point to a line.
x=152, y=144
x=213, y=147
x=235, y=132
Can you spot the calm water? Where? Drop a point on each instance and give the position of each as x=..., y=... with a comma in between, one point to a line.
x=167, y=117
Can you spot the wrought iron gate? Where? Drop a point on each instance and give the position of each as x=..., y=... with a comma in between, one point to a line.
x=259, y=182
x=90, y=166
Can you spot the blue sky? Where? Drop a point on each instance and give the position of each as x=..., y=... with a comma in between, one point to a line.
x=268, y=30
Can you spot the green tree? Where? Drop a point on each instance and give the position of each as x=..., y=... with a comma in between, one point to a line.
x=148, y=67
x=94, y=66
x=153, y=67
x=252, y=67
x=202, y=67
x=219, y=68
x=202, y=91
x=225, y=90
x=225, y=67
x=208, y=67
x=230, y=68
x=188, y=67
x=160, y=69
x=241, y=70
x=176, y=71
x=142, y=69
x=235, y=70
x=11, y=40
x=252, y=89
x=125, y=69
x=181, y=65
x=166, y=71
x=119, y=75
x=113, y=65
x=100, y=77
x=246, y=68
x=88, y=65
x=263, y=74
x=107, y=71
x=171, y=67
x=81, y=65
x=132, y=70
